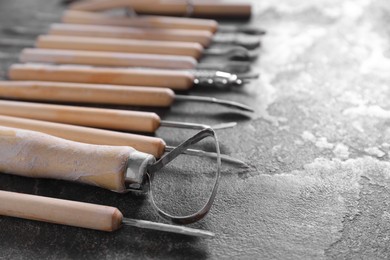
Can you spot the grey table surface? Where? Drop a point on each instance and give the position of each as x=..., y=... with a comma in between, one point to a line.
x=318, y=148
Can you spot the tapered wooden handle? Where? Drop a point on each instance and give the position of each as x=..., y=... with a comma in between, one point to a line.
x=146, y=144
x=64, y=212
x=86, y=93
x=193, y=50
x=37, y=155
x=199, y=8
x=200, y=36
x=110, y=59
x=125, y=120
x=161, y=22
x=178, y=80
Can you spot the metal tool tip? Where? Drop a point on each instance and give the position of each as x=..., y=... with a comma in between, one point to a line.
x=168, y=228
x=224, y=125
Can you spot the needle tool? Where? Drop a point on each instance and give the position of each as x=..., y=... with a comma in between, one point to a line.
x=103, y=94
x=155, y=22
x=128, y=60
x=116, y=119
x=147, y=144
x=203, y=37
x=188, y=8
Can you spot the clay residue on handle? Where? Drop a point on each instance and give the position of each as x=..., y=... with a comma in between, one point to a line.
x=32, y=154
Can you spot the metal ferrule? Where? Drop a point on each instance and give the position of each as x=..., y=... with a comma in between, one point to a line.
x=136, y=170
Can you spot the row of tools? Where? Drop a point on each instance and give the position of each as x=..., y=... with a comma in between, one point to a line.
x=110, y=59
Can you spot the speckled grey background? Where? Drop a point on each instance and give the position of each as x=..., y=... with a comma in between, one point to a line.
x=318, y=148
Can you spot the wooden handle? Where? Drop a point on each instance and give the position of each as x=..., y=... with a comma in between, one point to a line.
x=201, y=8
x=101, y=5
x=178, y=80
x=160, y=22
x=86, y=93
x=37, y=155
x=146, y=144
x=125, y=120
x=200, y=36
x=64, y=212
x=198, y=8
x=194, y=50
x=110, y=59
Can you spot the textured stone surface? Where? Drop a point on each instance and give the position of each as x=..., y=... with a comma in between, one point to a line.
x=318, y=148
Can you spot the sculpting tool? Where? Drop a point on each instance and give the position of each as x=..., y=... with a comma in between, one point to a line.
x=189, y=8
x=123, y=120
x=147, y=144
x=103, y=94
x=119, y=59
x=156, y=22
x=191, y=49
x=176, y=80
x=203, y=37
x=117, y=168
x=80, y=214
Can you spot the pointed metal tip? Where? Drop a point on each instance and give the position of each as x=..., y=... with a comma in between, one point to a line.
x=201, y=153
x=168, y=228
x=226, y=103
x=224, y=125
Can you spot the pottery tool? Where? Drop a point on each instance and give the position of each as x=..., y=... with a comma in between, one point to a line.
x=147, y=144
x=117, y=168
x=155, y=22
x=120, y=59
x=188, y=8
x=116, y=119
x=103, y=94
x=80, y=214
x=203, y=37
x=191, y=49
x=174, y=79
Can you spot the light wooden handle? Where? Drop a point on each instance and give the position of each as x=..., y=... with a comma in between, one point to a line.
x=194, y=50
x=37, y=155
x=198, y=8
x=101, y=5
x=200, y=36
x=178, y=80
x=146, y=144
x=201, y=8
x=110, y=59
x=161, y=22
x=87, y=93
x=116, y=119
x=64, y=212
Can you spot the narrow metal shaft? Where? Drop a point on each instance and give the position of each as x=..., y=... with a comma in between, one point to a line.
x=212, y=100
x=167, y=228
x=196, y=126
x=224, y=157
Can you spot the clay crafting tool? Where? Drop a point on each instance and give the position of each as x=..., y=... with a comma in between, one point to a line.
x=189, y=8
x=174, y=79
x=120, y=59
x=203, y=37
x=80, y=214
x=191, y=49
x=103, y=94
x=117, y=168
x=147, y=144
x=116, y=119
x=155, y=22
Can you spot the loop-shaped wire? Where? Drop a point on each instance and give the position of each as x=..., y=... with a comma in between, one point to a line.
x=201, y=213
